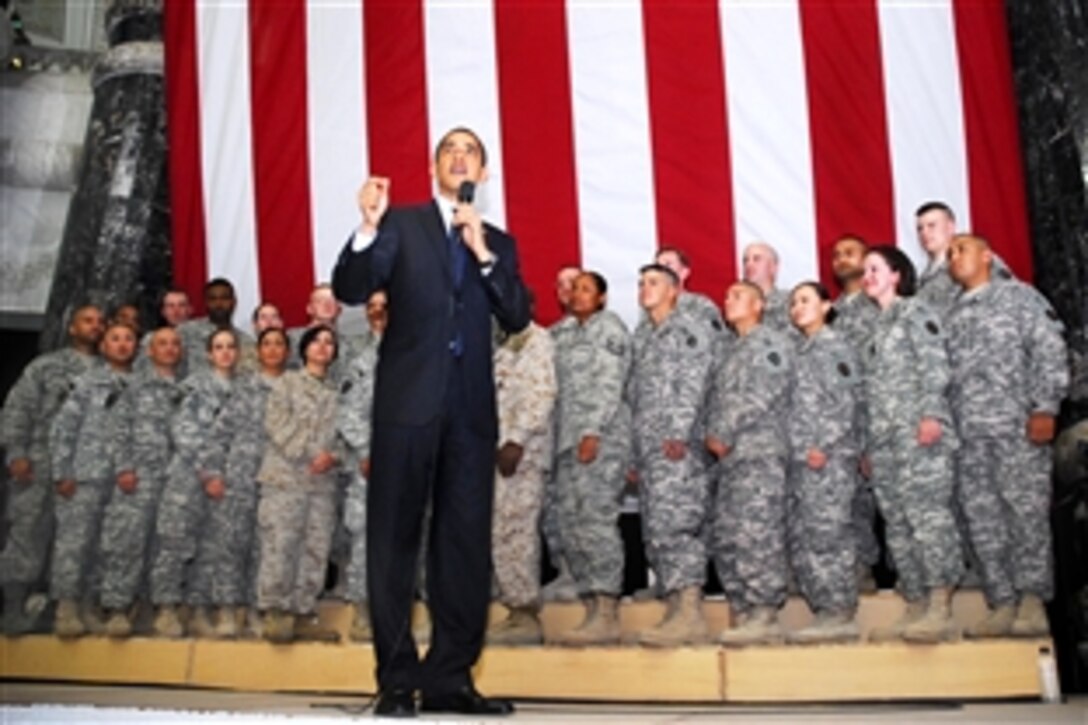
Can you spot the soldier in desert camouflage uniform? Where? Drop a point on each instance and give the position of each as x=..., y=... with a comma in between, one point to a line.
x=227, y=557
x=28, y=415
x=297, y=509
x=746, y=432
x=593, y=428
x=146, y=447
x=673, y=353
x=911, y=441
x=1009, y=375
x=84, y=442
x=184, y=508
x=526, y=388
x=825, y=442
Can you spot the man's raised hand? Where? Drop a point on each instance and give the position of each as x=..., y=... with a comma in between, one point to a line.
x=373, y=200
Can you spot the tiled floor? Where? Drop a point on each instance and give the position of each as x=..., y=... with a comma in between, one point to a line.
x=24, y=702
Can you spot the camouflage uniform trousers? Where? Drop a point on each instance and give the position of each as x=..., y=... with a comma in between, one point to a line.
x=820, y=532
x=588, y=499
x=913, y=486
x=549, y=520
x=29, y=522
x=355, y=524
x=128, y=528
x=674, y=498
x=75, y=562
x=515, y=534
x=1005, y=494
x=224, y=564
x=749, y=531
x=179, y=527
x=296, y=530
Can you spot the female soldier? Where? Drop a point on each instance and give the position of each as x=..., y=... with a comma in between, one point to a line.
x=911, y=441
x=84, y=442
x=228, y=550
x=824, y=432
x=593, y=432
x=183, y=513
x=296, y=515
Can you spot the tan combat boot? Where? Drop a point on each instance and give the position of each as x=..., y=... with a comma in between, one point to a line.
x=601, y=625
x=936, y=624
x=94, y=619
x=827, y=627
x=119, y=624
x=226, y=623
x=562, y=588
x=1031, y=618
x=254, y=623
x=167, y=623
x=360, y=624
x=278, y=626
x=683, y=625
x=200, y=623
x=894, y=631
x=760, y=626
x=67, y=622
x=520, y=627
x=308, y=628
x=996, y=623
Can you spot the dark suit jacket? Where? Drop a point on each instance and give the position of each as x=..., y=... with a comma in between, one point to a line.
x=409, y=259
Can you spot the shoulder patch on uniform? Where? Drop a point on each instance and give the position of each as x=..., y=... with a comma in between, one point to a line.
x=872, y=348
x=692, y=341
x=932, y=328
x=844, y=370
x=345, y=386
x=614, y=345
x=716, y=325
x=1051, y=313
x=774, y=358
x=177, y=397
x=112, y=398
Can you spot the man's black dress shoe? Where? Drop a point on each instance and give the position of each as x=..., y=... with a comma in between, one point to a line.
x=395, y=703
x=466, y=701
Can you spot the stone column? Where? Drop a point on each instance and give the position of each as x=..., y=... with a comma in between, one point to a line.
x=116, y=244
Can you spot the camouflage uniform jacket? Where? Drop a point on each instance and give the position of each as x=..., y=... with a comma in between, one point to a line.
x=856, y=316
x=35, y=399
x=147, y=415
x=827, y=397
x=526, y=388
x=194, y=344
x=300, y=420
x=591, y=362
x=205, y=395
x=750, y=398
x=238, y=440
x=1008, y=358
x=87, y=431
x=356, y=409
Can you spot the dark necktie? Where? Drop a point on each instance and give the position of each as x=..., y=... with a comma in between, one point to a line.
x=457, y=255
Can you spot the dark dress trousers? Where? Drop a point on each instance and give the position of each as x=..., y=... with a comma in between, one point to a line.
x=434, y=437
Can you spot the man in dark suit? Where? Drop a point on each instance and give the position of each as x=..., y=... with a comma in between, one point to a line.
x=446, y=273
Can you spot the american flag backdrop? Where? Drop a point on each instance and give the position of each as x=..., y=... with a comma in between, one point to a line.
x=613, y=127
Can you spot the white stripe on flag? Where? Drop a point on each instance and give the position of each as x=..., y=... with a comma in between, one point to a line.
x=769, y=134
x=463, y=86
x=226, y=150
x=925, y=114
x=618, y=223
x=337, y=124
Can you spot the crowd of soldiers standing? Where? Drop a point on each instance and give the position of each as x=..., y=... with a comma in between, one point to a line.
x=212, y=475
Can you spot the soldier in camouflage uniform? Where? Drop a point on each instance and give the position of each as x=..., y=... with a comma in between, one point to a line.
x=673, y=353
x=911, y=441
x=28, y=416
x=83, y=444
x=526, y=388
x=825, y=424
x=146, y=413
x=747, y=433
x=354, y=424
x=562, y=588
x=593, y=429
x=174, y=309
x=692, y=304
x=219, y=301
x=298, y=477
x=226, y=560
x=760, y=262
x=1009, y=375
x=855, y=316
x=184, y=509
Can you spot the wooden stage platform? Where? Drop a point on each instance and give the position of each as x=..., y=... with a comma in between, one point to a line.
x=994, y=669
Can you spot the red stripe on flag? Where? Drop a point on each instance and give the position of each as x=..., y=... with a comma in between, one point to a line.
x=994, y=164
x=183, y=131
x=538, y=142
x=852, y=174
x=281, y=169
x=686, y=85
x=396, y=97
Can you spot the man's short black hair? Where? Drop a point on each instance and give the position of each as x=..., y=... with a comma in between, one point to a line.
x=935, y=206
x=655, y=267
x=470, y=132
x=219, y=282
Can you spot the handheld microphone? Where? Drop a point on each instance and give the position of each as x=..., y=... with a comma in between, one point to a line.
x=466, y=192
